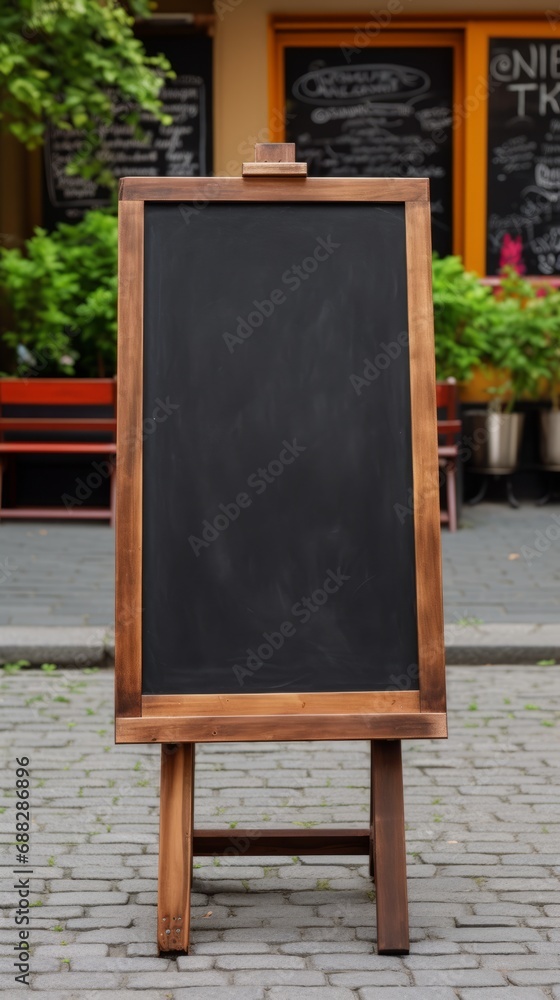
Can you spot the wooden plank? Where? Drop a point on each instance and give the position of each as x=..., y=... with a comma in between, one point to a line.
x=217, y=729
x=58, y=447
x=175, y=847
x=58, y=391
x=391, y=896
x=275, y=152
x=274, y=159
x=274, y=170
x=128, y=588
x=283, y=843
x=427, y=535
x=262, y=189
x=106, y=424
x=281, y=703
x=55, y=513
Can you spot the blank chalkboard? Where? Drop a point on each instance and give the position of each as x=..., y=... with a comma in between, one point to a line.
x=278, y=539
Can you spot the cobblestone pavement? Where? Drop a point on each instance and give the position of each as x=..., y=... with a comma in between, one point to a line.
x=503, y=566
x=56, y=574
x=483, y=820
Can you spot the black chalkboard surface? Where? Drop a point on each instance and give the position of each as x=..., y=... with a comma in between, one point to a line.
x=524, y=156
x=183, y=149
x=277, y=449
x=387, y=113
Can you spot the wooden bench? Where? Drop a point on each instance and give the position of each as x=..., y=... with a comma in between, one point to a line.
x=449, y=427
x=33, y=435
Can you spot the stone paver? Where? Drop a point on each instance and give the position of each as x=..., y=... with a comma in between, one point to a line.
x=56, y=573
x=483, y=821
x=502, y=567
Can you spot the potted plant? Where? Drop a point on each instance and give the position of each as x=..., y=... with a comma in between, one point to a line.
x=467, y=320
x=61, y=296
x=517, y=323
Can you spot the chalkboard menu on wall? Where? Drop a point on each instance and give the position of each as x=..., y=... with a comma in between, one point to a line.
x=387, y=114
x=524, y=156
x=183, y=149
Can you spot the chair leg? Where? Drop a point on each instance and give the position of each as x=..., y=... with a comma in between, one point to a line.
x=112, y=486
x=371, y=817
x=11, y=466
x=451, y=477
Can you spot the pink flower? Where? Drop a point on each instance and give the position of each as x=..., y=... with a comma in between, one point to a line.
x=511, y=254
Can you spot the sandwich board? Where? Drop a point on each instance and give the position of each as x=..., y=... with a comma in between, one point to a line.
x=278, y=537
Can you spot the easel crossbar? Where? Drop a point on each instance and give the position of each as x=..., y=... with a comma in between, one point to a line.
x=283, y=843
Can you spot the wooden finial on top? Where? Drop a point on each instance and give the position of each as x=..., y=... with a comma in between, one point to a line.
x=275, y=159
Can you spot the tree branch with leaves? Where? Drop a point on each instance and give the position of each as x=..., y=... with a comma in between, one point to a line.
x=76, y=64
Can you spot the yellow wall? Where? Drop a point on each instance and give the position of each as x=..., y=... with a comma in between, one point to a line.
x=241, y=58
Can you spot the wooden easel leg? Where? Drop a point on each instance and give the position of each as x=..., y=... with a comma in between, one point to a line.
x=176, y=823
x=389, y=848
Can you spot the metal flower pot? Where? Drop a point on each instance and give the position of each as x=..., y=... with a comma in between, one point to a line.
x=496, y=439
x=550, y=438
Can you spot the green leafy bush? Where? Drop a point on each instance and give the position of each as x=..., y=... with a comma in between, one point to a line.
x=514, y=329
x=62, y=295
x=517, y=335
x=526, y=337
x=462, y=311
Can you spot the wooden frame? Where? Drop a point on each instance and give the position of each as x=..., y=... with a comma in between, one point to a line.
x=348, y=715
x=472, y=31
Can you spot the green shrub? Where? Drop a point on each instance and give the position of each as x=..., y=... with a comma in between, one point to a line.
x=62, y=295
x=514, y=329
x=462, y=307
x=517, y=337
x=526, y=337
